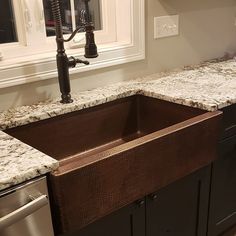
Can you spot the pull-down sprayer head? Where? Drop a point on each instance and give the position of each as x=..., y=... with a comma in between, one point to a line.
x=90, y=46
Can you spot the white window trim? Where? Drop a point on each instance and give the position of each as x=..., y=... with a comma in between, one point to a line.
x=43, y=66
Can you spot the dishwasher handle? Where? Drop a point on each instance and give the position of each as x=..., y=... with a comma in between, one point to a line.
x=23, y=211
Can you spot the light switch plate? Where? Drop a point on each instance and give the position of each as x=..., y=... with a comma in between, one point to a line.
x=166, y=26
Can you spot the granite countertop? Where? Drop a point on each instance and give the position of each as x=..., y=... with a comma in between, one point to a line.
x=209, y=86
x=20, y=162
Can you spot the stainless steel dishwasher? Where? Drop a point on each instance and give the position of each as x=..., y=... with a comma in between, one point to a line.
x=25, y=210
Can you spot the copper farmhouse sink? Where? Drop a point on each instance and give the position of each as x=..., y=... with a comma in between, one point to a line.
x=113, y=154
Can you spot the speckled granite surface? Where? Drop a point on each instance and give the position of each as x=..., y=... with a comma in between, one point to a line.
x=20, y=162
x=210, y=86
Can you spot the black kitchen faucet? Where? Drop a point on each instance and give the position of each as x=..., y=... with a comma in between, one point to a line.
x=64, y=62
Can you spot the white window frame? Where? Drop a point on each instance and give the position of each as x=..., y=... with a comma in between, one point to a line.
x=128, y=46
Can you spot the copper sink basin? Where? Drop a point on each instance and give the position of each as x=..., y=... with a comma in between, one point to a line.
x=118, y=152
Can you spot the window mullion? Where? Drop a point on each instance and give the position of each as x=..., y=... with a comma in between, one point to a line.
x=20, y=22
x=72, y=5
x=39, y=13
x=35, y=32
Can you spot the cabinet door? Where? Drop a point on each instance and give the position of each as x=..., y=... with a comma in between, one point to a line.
x=181, y=208
x=128, y=221
x=223, y=189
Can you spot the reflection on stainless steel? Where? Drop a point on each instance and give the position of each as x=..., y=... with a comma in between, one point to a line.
x=25, y=211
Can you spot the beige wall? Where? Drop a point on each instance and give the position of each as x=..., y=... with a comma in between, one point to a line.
x=206, y=31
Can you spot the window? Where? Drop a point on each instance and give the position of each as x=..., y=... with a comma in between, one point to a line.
x=27, y=36
x=72, y=15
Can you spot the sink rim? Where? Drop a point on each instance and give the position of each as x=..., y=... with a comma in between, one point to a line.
x=65, y=165
x=85, y=158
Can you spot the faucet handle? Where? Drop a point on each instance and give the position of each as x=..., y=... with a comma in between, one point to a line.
x=72, y=61
x=83, y=62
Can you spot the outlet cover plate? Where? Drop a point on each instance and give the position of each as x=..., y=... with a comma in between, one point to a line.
x=166, y=26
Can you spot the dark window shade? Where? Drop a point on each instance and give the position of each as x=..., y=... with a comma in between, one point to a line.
x=7, y=22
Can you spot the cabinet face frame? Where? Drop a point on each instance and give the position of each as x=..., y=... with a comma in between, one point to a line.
x=222, y=207
x=222, y=215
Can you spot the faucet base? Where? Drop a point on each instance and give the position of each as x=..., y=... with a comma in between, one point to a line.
x=66, y=98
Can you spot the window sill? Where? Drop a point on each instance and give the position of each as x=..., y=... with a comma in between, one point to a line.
x=43, y=66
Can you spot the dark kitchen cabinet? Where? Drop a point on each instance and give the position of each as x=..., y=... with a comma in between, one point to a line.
x=222, y=214
x=180, y=209
x=128, y=221
x=223, y=190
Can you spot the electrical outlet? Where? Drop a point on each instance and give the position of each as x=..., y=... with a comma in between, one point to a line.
x=166, y=26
